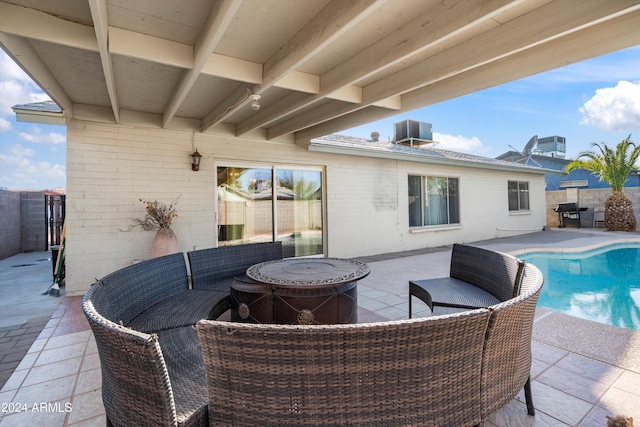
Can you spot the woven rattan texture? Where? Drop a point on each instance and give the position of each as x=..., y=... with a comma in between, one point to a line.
x=492, y=271
x=182, y=309
x=413, y=372
x=209, y=266
x=506, y=362
x=450, y=292
x=142, y=384
x=136, y=389
x=129, y=288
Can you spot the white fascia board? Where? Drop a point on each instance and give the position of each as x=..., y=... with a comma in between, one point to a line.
x=40, y=117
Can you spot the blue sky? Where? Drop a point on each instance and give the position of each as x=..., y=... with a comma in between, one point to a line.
x=592, y=101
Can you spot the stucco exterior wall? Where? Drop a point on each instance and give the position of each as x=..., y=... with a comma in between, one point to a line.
x=109, y=167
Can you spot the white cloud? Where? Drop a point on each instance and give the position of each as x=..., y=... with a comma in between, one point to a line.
x=5, y=125
x=459, y=143
x=614, y=108
x=37, y=136
x=16, y=155
x=22, y=170
x=16, y=86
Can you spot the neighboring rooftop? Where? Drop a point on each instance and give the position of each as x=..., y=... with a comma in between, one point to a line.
x=48, y=106
x=45, y=112
x=428, y=154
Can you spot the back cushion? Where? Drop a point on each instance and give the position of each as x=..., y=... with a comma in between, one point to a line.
x=99, y=297
x=133, y=289
x=212, y=265
x=494, y=272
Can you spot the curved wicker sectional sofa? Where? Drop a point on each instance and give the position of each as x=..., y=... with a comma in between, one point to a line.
x=449, y=370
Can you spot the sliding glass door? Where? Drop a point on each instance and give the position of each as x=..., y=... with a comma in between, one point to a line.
x=246, y=208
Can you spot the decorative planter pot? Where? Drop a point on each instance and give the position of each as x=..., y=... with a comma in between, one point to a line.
x=164, y=243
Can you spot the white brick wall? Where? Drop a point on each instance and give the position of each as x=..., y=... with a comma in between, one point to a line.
x=109, y=167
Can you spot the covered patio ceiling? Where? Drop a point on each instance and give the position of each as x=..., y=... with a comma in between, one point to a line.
x=320, y=66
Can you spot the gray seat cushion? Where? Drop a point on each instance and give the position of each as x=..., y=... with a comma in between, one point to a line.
x=183, y=358
x=182, y=309
x=450, y=292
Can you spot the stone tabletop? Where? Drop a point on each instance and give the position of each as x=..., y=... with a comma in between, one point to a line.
x=316, y=272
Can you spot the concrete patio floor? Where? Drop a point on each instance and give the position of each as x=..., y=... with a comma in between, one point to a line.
x=582, y=370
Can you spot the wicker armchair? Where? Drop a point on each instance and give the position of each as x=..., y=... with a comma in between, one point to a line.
x=478, y=277
x=411, y=372
x=509, y=288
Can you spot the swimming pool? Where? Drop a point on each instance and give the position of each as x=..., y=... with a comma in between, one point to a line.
x=602, y=284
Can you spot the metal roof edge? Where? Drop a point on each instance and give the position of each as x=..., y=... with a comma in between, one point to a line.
x=322, y=146
x=46, y=113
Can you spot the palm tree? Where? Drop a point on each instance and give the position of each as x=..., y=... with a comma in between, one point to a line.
x=614, y=167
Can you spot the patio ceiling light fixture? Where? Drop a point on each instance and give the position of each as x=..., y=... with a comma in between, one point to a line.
x=195, y=161
x=255, y=104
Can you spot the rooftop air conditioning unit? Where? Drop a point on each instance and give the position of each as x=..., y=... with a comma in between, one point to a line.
x=411, y=132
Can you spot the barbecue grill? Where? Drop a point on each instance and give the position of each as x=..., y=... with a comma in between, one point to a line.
x=569, y=211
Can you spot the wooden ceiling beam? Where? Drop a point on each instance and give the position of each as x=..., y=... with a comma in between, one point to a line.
x=101, y=26
x=545, y=24
x=616, y=34
x=23, y=54
x=215, y=27
x=326, y=27
x=450, y=20
x=333, y=21
x=33, y=24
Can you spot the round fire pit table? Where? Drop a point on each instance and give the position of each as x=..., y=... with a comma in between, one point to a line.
x=299, y=291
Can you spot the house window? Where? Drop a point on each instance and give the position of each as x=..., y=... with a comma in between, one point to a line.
x=433, y=200
x=518, y=196
x=265, y=204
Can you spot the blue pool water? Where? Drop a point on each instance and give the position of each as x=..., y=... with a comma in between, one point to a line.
x=602, y=285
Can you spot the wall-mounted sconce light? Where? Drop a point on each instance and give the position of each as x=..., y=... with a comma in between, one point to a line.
x=195, y=160
x=254, y=101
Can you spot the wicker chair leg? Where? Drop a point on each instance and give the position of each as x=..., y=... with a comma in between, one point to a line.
x=529, y=397
x=109, y=424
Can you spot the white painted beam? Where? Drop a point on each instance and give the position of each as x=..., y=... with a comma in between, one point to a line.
x=154, y=49
x=393, y=103
x=101, y=26
x=33, y=24
x=233, y=69
x=326, y=27
x=409, y=40
x=299, y=81
x=107, y=41
x=544, y=25
x=323, y=113
x=616, y=34
x=23, y=54
x=237, y=98
x=363, y=116
x=215, y=27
